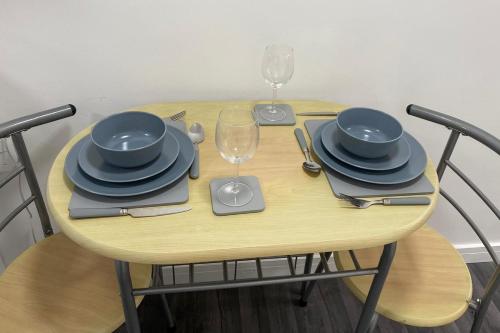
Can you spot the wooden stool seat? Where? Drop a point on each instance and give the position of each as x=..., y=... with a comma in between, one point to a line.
x=428, y=284
x=57, y=286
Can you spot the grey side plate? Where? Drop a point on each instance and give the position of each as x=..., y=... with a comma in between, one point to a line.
x=411, y=170
x=177, y=170
x=94, y=165
x=396, y=157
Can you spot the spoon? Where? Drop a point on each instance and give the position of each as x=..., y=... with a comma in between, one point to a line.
x=309, y=164
x=197, y=135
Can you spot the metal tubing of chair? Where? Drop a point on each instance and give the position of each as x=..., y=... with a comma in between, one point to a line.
x=259, y=268
x=23, y=155
x=474, y=187
x=354, y=259
x=17, y=170
x=472, y=224
x=307, y=270
x=26, y=122
x=250, y=282
x=290, y=265
x=322, y=264
x=490, y=289
x=384, y=265
x=448, y=150
x=126, y=294
x=456, y=124
x=373, y=323
x=16, y=211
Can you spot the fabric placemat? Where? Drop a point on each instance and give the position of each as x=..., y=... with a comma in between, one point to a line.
x=342, y=184
x=175, y=193
x=289, y=119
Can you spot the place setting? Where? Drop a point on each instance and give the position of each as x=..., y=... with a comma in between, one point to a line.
x=366, y=153
x=133, y=163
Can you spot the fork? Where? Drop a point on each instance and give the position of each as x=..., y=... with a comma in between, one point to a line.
x=178, y=116
x=361, y=203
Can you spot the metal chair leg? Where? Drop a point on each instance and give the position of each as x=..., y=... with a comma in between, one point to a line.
x=366, y=319
x=128, y=300
x=490, y=289
x=307, y=270
x=310, y=285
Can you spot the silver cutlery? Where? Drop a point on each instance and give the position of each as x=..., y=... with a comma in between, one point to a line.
x=81, y=213
x=197, y=134
x=309, y=164
x=178, y=116
x=361, y=203
x=321, y=113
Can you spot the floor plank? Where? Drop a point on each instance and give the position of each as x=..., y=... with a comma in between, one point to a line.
x=331, y=309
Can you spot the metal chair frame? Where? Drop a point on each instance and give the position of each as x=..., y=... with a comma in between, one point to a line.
x=457, y=127
x=14, y=129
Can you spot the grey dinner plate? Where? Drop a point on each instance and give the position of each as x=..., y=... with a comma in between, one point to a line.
x=94, y=165
x=396, y=157
x=87, y=183
x=411, y=170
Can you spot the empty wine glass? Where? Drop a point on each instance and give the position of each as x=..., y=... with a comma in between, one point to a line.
x=236, y=137
x=277, y=69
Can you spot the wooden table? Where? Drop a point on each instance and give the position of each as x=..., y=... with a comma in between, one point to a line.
x=301, y=215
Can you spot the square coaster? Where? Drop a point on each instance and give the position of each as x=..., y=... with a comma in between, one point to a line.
x=255, y=205
x=289, y=119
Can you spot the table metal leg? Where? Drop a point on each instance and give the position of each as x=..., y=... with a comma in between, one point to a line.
x=307, y=270
x=366, y=319
x=166, y=307
x=307, y=291
x=128, y=301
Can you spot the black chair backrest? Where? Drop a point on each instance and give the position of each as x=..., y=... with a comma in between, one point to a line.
x=13, y=130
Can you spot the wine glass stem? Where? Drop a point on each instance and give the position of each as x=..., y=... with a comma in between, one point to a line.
x=273, y=102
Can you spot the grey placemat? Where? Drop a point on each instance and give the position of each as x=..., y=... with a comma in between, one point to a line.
x=289, y=119
x=175, y=193
x=254, y=206
x=342, y=184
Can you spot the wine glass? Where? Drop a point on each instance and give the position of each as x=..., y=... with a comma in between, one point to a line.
x=236, y=137
x=277, y=69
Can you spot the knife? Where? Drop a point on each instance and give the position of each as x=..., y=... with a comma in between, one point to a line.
x=321, y=113
x=81, y=213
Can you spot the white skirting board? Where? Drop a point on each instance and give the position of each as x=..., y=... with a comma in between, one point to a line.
x=275, y=267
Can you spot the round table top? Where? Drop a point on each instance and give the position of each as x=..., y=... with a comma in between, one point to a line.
x=301, y=216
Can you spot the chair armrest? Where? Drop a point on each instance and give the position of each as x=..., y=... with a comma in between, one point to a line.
x=456, y=124
x=26, y=122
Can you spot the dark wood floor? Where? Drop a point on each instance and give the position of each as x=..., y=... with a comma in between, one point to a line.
x=331, y=308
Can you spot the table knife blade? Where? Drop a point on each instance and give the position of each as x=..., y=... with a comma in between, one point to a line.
x=156, y=211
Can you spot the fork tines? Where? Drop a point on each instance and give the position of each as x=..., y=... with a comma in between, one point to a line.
x=178, y=116
x=354, y=201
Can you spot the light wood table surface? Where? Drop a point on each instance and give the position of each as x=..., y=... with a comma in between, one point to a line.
x=301, y=216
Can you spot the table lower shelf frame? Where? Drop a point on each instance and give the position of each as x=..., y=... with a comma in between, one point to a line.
x=367, y=321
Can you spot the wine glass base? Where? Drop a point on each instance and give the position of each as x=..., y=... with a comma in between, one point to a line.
x=272, y=113
x=235, y=194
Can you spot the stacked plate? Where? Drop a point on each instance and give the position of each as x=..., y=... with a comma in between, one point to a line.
x=129, y=154
x=369, y=146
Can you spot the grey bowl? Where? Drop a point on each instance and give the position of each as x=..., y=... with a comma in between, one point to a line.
x=368, y=133
x=129, y=139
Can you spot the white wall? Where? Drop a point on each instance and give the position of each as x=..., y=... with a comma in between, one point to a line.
x=104, y=56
